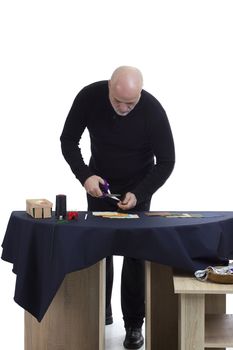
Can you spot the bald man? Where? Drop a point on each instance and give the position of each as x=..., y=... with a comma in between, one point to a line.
x=128, y=130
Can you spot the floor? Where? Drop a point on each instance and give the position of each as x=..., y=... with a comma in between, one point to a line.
x=114, y=336
x=115, y=333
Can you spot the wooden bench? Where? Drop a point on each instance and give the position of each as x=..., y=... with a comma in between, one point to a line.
x=75, y=318
x=202, y=319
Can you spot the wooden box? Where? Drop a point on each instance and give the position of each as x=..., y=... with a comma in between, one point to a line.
x=39, y=208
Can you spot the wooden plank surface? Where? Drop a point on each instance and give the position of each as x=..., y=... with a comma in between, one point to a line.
x=215, y=304
x=148, y=305
x=161, y=308
x=190, y=285
x=219, y=331
x=191, y=322
x=75, y=319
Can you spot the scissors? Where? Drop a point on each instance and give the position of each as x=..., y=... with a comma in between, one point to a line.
x=106, y=191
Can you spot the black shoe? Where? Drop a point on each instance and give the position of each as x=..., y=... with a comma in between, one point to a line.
x=108, y=320
x=133, y=338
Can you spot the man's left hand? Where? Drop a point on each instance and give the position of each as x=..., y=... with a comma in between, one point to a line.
x=128, y=202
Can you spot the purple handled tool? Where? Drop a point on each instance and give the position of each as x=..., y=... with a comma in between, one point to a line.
x=106, y=191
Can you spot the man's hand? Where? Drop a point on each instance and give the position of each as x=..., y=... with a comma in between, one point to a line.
x=92, y=187
x=128, y=202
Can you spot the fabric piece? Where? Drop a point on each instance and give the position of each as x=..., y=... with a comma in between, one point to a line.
x=43, y=251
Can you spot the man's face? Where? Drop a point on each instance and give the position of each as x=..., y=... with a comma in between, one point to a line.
x=122, y=105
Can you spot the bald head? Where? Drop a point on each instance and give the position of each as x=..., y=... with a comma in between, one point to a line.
x=125, y=88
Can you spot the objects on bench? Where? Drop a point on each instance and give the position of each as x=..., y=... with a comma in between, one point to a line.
x=218, y=274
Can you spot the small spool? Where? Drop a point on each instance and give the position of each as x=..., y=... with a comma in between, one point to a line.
x=60, y=211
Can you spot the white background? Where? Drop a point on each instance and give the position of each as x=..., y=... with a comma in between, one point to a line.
x=51, y=49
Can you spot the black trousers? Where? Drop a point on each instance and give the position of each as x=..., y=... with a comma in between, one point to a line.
x=132, y=276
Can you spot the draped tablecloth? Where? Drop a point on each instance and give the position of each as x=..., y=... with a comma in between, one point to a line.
x=43, y=251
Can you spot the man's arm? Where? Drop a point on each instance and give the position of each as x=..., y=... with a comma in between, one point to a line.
x=160, y=135
x=74, y=127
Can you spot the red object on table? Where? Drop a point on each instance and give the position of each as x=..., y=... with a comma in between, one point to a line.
x=72, y=215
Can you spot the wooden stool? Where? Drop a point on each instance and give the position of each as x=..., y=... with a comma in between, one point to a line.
x=202, y=319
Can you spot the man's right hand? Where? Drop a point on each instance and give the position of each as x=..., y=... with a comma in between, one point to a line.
x=92, y=187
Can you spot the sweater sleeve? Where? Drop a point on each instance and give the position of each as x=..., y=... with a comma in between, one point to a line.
x=74, y=127
x=161, y=139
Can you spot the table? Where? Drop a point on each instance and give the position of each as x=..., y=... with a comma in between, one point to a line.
x=75, y=317
x=44, y=251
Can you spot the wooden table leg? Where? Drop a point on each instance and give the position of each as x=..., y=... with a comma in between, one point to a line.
x=75, y=319
x=191, y=321
x=161, y=308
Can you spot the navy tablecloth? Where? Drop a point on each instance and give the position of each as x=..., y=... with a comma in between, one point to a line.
x=43, y=251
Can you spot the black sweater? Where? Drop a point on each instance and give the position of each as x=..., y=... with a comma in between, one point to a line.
x=123, y=148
